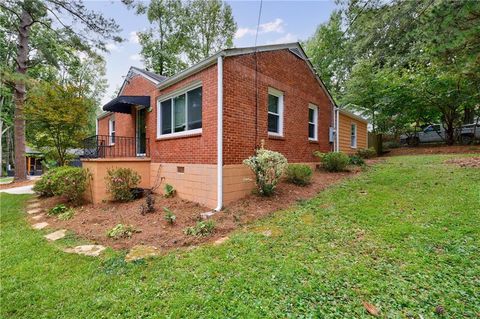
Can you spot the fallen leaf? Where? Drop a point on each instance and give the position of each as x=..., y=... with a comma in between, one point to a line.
x=371, y=309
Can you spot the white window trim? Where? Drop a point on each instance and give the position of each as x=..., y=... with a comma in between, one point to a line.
x=279, y=94
x=171, y=96
x=315, y=122
x=356, y=135
x=110, y=130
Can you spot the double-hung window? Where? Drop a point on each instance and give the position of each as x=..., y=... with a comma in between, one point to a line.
x=111, y=130
x=353, y=135
x=181, y=113
x=312, y=122
x=275, y=112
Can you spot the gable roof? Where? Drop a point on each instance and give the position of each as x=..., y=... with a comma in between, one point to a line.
x=294, y=47
x=152, y=77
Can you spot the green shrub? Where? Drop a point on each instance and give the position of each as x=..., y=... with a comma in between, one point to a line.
x=122, y=231
x=67, y=215
x=120, y=181
x=57, y=210
x=299, y=174
x=169, y=191
x=391, y=144
x=202, y=228
x=70, y=182
x=169, y=216
x=367, y=152
x=44, y=186
x=268, y=166
x=333, y=161
x=356, y=160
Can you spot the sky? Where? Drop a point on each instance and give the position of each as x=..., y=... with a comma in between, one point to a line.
x=280, y=22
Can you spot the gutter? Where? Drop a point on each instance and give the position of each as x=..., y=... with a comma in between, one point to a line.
x=219, y=133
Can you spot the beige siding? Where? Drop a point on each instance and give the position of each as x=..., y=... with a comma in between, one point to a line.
x=345, y=131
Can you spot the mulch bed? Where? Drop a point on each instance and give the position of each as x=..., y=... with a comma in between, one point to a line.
x=465, y=162
x=93, y=221
x=434, y=149
x=16, y=184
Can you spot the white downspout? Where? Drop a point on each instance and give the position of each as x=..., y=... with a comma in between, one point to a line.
x=219, y=133
x=337, y=129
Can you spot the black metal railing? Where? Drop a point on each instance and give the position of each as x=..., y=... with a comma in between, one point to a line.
x=106, y=146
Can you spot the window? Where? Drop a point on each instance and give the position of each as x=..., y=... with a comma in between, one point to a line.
x=353, y=136
x=111, y=130
x=275, y=112
x=312, y=122
x=181, y=113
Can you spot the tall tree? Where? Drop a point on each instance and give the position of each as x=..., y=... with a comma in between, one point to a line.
x=67, y=22
x=210, y=26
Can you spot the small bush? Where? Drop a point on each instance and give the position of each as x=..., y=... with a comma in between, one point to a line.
x=169, y=216
x=268, y=166
x=70, y=182
x=169, y=191
x=202, y=228
x=356, y=160
x=44, y=186
x=67, y=215
x=149, y=206
x=299, y=174
x=120, y=182
x=121, y=231
x=333, y=161
x=57, y=210
x=367, y=152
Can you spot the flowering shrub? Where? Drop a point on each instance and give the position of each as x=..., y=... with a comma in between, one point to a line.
x=70, y=182
x=120, y=181
x=268, y=166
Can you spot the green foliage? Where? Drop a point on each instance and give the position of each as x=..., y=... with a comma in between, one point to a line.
x=120, y=181
x=367, y=152
x=169, y=216
x=57, y=210
x=70, y=182
x=391, y=144
x=299, y=174
x=44, y=186
x=202, y=228
x=67, y=215
x=268, y=166
x=169, y=191
x=121, y=231
x=333, y=161
x=356, y=160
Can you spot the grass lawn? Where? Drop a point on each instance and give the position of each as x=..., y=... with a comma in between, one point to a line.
x=404, y=236
x=6, y=179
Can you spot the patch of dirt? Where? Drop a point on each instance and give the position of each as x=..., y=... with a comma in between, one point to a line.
x=17, y=184
x=93, y=221
x=465, y=162
x=434, y=149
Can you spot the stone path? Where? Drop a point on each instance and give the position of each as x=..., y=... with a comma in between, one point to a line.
x=19, y=190
x=56, y=235
x=87, y=250
x=37, y=217
x=33, y=205
x=141, y=252
x=34, y=211
x=40, y=225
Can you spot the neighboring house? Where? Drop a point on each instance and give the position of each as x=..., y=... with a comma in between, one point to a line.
x=34, y=161
x=353, y=133
x=217, y=111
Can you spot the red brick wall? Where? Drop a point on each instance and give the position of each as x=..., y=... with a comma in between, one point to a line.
x=199, y=149
x=283, y=71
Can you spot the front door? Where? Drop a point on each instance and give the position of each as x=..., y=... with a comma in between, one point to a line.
x=141, y=134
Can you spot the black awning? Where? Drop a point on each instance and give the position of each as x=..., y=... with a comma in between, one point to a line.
x=124, y=103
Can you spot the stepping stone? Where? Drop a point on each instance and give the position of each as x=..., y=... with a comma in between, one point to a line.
x=87, y=250
x=220, y=241
x=34, y=211
x=56, y=235
x=40, y=225
x=37, y=217
x=207, y=215
x=142, y=252
x=33, y=205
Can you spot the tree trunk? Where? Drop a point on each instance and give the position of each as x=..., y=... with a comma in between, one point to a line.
x=449, y=128
x=19, y=95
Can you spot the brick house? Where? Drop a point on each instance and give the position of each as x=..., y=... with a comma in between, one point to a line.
x=194, y=129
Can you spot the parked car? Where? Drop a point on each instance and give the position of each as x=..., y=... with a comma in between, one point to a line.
x=436, y=134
